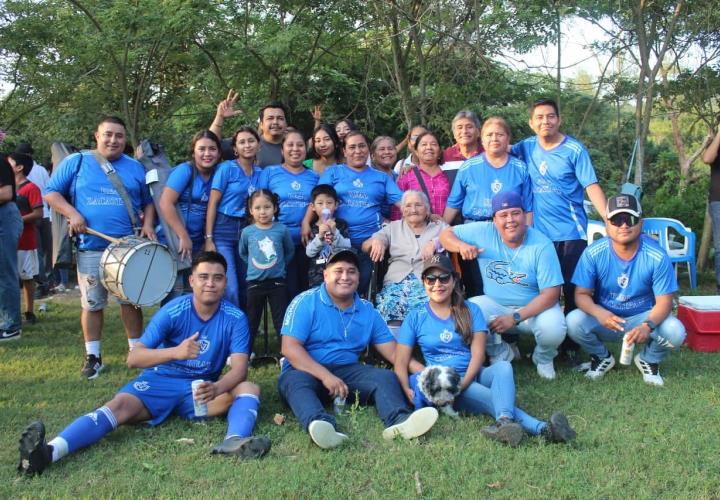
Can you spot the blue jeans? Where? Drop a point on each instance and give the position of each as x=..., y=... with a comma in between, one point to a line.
x=715, y=216
x=226, y=235
x=366, y=267
x=590, y=334
x=296, y=273
x=306, y=395
x=493, y=393
x=11, y=227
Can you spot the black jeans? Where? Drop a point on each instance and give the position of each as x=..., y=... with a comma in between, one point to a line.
x=569, y=253
x=259, y=292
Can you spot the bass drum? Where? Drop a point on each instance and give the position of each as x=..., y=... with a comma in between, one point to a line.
x=138, y=271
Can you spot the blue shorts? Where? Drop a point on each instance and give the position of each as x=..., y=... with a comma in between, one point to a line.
x=163, y=396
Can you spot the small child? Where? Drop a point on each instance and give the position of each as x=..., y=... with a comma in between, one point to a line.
x=266, y=247
x=29, y=201
x=328, y=234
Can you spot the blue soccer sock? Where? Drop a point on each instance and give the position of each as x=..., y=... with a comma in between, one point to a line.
x=242, y=415
x=83, y=432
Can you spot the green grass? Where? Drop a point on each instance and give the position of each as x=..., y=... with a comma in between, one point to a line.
x=634, y=441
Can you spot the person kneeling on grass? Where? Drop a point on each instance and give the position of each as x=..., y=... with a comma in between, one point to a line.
x=324, y=332
x=189, y=338
x=451, y=332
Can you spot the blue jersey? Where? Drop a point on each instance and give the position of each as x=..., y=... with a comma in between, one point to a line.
x=93, y=195
x=625, y=287
x=477, y=181
x=512, y=276
x=362, y=196
x=559, y=178
x=266, y=251
x=224, y=334
x=329, y=334
x=439, y=342
x=294, y=191
x=192, y=200
x=235, y=186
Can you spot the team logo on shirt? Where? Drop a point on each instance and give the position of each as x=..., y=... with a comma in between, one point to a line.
x=357, y=183
x=623, y=280
x=295, y=185
x=251, y=189
x=204, y=198
x=141, y=386
x=446, y=335
x=543, y=168
x=496, y=186
x=204, y=345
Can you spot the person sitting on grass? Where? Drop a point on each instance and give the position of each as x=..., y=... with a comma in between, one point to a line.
x=624, y=288
x=324, y=332
x=188, y=339
x=327, y=233
x=451, y=332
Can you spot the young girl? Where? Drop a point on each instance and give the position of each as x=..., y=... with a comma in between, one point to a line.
x=265, y=246
x=451, y=332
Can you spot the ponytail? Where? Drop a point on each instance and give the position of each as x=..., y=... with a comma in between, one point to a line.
x=461, y=314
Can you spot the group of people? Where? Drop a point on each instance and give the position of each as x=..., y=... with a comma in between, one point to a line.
x=271, y=226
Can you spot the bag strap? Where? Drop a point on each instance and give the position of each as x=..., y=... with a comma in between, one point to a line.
x=114, y=179
x=416, y=171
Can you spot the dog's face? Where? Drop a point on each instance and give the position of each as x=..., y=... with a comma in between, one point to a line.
x=439, y=384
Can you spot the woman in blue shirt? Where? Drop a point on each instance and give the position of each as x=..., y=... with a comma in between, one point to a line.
x=452, y=332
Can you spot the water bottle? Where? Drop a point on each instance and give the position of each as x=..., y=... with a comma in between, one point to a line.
x=201, y=409
x=325, y=215
x=626, y=353
x=339, y=405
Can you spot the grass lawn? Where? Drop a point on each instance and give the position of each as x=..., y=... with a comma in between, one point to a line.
x=634, y=441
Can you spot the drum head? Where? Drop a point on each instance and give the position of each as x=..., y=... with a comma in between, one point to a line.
x=149, y=274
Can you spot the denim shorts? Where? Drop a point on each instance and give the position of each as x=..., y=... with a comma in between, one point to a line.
x=93, y=295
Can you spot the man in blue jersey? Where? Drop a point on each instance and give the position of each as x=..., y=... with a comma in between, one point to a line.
x=324, y=332
x=188, y=339
x=80, y=190
x=561, y=172
x=624, y=288
x=521, y=278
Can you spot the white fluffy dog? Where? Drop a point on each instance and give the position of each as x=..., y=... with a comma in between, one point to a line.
x=440, y=385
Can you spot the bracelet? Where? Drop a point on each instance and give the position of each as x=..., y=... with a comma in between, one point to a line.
x=208, y=236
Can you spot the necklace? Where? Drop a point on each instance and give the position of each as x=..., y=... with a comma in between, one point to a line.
x=511, y=255
x=342, y=320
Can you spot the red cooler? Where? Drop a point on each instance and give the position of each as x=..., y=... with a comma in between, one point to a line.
x=701, y=317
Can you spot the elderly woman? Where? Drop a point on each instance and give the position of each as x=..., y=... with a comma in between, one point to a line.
x=383, y=155
x=409, y=240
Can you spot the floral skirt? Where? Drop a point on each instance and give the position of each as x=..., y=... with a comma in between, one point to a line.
x=396, y=300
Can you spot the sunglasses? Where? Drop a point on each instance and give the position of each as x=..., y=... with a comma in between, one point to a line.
x=624, y=218
x=444, y=279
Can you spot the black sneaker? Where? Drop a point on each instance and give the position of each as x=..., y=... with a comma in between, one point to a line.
x=30, y=317
x=10, y=334
x=92, y=367
x=252, y=447
x=504, y=431
x=558, y=429
x=35, y=454
x=599, y=367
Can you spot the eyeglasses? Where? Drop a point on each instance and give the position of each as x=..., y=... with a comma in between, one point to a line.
x=444, y=279
x=624, y=218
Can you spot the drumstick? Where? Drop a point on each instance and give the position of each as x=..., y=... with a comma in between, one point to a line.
x=102, y=235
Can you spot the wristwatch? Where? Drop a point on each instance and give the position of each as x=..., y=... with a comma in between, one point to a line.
x=516, y=317
x=651, y=324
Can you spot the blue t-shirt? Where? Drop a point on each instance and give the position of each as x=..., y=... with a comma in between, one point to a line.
x=477, y=181
x=439, y=342
x=225, y=333
x=192, y=200
x=512, y=276
x=624, y=287
x=559, y=178
x=235, y=186
x=93, y=195
x=330, y=335
x=294, y=192
x=266, y=251
x=362, y=196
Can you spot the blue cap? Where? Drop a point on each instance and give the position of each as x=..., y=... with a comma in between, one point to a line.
x=506, y=199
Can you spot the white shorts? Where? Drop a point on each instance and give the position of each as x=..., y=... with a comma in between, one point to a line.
x=28, y=265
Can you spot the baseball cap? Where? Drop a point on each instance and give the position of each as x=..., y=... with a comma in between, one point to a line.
x=346, y=254
x=506, y=199
x=439, y=261
x=623, y=203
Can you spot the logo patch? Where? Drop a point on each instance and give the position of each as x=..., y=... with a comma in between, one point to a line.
x=295, y=185
x=141, y=385
x=623, y=280
x=543, y=168
x=204, y=345
x=446, y=335
x=358, y=183
x=496, y=186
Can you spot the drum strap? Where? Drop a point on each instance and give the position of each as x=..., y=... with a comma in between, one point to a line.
x=114, y=179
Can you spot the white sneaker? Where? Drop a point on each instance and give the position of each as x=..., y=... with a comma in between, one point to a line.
x=599, y=367
x=650, y=372
x=509, y=353
x=546, y=370
x=418, y=423
x=324, y=434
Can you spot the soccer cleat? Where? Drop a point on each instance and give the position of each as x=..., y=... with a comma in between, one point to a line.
x=92, y=367
x=558, y=429
x=10, y=334
x=546, y=370
x=599, y=367
x=35, y=454
x=247, y=447
x=324, y=434
x=650, y=372
x=418, y=423
x=504, y=431
x=30, y=317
